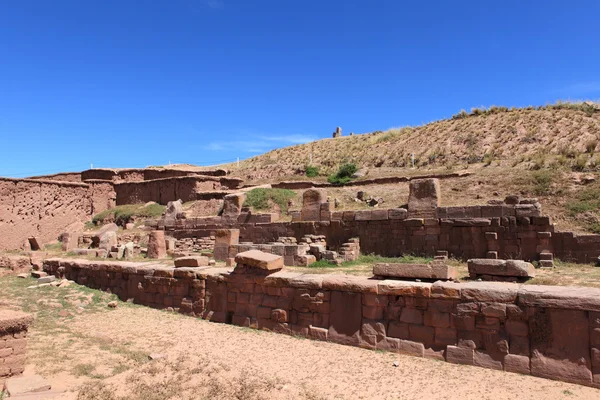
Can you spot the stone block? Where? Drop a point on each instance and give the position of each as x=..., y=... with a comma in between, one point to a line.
x=397, y=213
x=434, y=270
x=459, y=355
x=157, y=247
x=261, y=260
x=505, y=268
x=24, y=385
x=424, y=198
x=191, y=261
x=311, y=204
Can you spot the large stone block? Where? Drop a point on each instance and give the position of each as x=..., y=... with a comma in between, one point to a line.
x=191, y=261
x=560, y=345
x=157, y=247
x=311, y=204
x=505, y=268
x=434, y=270
x=259, y=259
x=424, y=198
x=345, y=317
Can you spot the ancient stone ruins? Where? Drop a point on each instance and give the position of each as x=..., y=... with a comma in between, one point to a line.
x=417, y=309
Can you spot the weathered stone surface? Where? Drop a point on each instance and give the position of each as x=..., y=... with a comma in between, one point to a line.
x=191, y=261
x=496, y=267
x=174, y=210
x=98, y=237
x=489, y=292
x=157, y=247
x=26, y=384
x=434, y=270
x=571, y=297
x=401, y=288
x=46, y=279
x=14, y=321
x=108, y=240
x=259, y=259
x=516, y=363
x=311, y=204
x=424, y=198
x=232, y=205
x=560, y=345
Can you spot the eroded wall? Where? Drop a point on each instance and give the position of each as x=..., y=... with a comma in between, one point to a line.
x=45, y=209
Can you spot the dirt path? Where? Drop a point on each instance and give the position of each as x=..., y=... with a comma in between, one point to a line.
x=91, y=352
x=278, y=366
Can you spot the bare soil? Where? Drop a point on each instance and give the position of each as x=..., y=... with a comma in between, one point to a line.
x=89, y=351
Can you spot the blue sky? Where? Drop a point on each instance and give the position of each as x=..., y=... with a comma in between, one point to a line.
x=135, y=83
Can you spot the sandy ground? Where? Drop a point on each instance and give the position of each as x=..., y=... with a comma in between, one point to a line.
x=297, y=368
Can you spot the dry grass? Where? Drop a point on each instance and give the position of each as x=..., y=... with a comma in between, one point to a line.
x=515, y=137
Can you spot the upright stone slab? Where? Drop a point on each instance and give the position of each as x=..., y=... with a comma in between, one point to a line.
x=224, y=238
x=311, y=204
x=174, y=211
x=157, y=247
x=232, y=206
x=424, y=198
x=34, y=243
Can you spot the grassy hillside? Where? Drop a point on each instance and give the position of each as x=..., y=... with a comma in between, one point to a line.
x=563, y=135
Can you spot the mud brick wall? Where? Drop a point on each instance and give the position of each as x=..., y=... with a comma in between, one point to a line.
x=13, y=343
x=143, y=174
x=45, y=209
x=170, y=189
x=545, y=331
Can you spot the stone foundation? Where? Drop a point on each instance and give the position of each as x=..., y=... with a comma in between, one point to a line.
x=546, y=331
x=13, y=343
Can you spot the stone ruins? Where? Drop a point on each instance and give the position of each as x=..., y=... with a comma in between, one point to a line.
x=417, y=309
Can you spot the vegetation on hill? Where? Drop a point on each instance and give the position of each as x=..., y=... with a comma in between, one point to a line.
x=264, y=199
x=562, y=135
x=125, y=213
x=343, y=175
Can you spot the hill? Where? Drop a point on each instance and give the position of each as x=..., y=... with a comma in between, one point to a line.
x=563, y=135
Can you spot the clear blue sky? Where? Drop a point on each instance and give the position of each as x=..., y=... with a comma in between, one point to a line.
x=122, y=83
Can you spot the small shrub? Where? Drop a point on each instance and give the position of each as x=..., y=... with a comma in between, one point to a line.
x=123, y=214
x=580, y=163
x=590, y=146
x=311, y=171
x=262, y=198
x=344, y=174
x=542, y=182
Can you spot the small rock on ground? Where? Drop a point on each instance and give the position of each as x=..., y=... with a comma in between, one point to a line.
x=112, y=304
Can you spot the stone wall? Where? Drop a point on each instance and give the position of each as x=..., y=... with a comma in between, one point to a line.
x=171, y=189
x=144, y=174
x=13, y=343
x=545, y=331
x=45, y=209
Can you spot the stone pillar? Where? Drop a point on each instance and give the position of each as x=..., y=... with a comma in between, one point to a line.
x=424, y=198
x=232, y=206
x=338, y=132
x=224, y=238
x=13, y=331
x=311, y=204
x=157, y=247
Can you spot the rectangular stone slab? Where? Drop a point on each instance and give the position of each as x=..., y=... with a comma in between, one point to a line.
x=415, y=271
x=259, y=259
x=497, y=267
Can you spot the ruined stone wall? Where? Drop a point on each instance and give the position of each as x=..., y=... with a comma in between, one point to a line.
x=170, y=189
x=143, y=174
x=512, y=231
x=13, y=343
x=45, y=209
x=62, y=177
x=545, y=331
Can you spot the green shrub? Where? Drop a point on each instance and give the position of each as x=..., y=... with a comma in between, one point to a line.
x=542, y=182
x=344, y=174
x=580, y=163
x=262, y=198
x=311, y=171
x=123, y=214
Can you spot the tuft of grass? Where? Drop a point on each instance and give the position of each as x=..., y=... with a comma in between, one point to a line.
x=85, y=369
x=262, y=198
x=367, y=259
x=343, y=175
